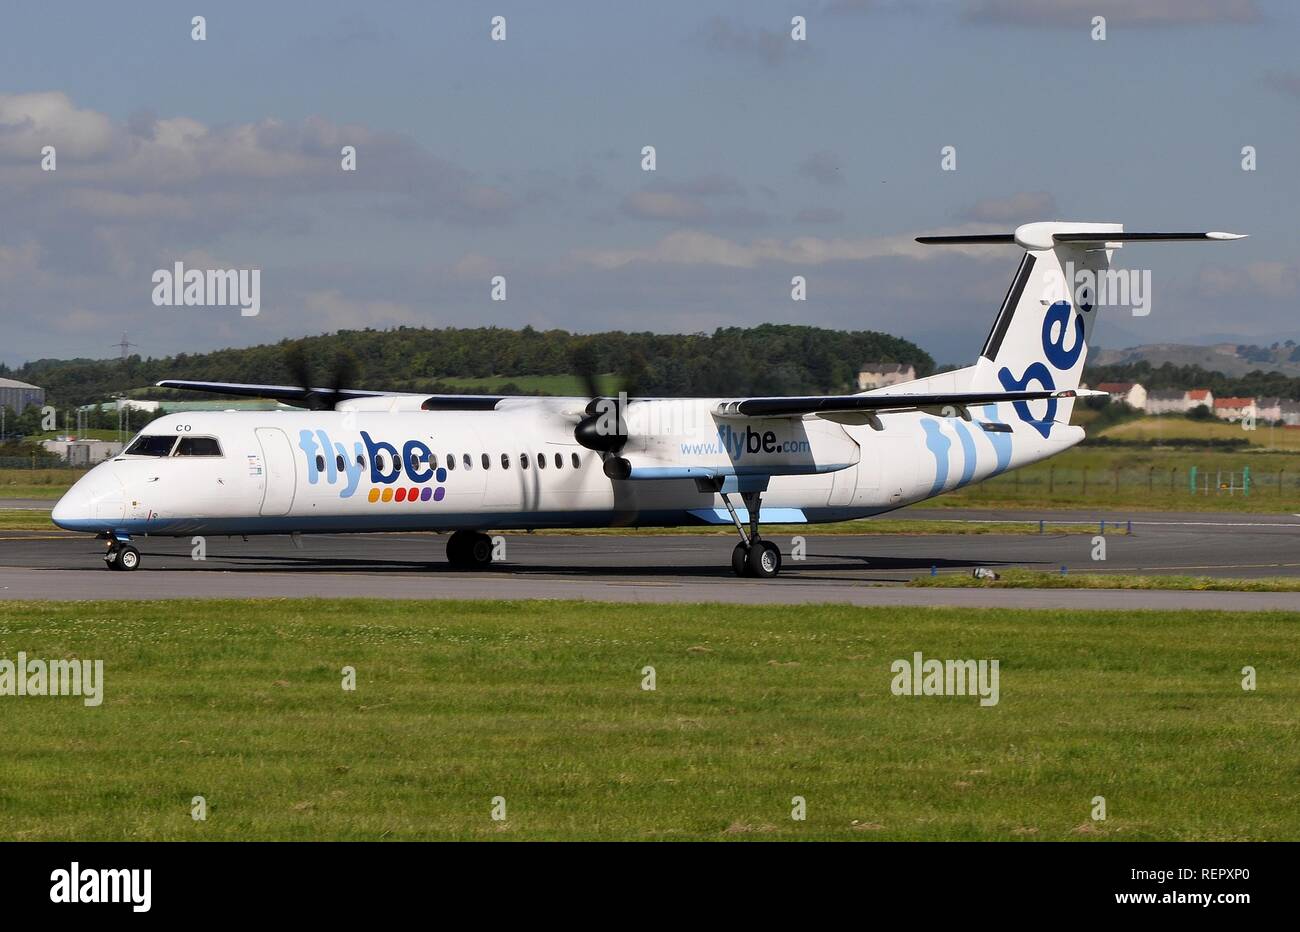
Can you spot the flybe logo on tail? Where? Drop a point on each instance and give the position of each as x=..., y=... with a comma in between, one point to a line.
x=1059, y=320
x=333, y=463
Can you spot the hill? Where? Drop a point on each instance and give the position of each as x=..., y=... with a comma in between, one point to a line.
x=767, y=359
x=1232, y=359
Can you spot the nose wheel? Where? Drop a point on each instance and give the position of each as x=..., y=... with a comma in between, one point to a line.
x=752, y=556
x=121, y=556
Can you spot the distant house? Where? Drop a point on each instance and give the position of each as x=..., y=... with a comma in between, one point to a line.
x=79, y=452
x=18, y=395
x=1234, y=409
x=1290, y=413
x=1268, y=409
x=1196, y=397
x=879, y=374
x=1166, y=401
x=1129, y=393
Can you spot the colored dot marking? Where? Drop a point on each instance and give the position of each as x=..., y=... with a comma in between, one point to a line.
x=425, y=493
x=413, y=495
x=400, y=494
x=439, y=492
x=374, y=495
x=388, y=495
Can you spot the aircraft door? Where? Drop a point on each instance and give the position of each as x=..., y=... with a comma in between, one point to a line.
x=281, y=477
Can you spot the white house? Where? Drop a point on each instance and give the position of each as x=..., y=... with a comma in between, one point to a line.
x=879, y=374
x=1166, y=401
x=1234, y=409
x=1129, y=393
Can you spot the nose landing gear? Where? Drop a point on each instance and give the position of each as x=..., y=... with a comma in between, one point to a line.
x=752, y=556
x=121, y=556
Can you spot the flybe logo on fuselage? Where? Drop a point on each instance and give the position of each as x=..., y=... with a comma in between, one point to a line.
x=1062, y=360
x=332, y=462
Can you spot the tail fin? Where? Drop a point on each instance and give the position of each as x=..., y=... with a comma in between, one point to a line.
x=1040, y=337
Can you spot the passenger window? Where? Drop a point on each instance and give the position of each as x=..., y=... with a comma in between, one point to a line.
x=415, y=461
x=380, y=463
x=361, y=460
x=559, y=461
x=451, y=461
x=505, y=460
x=198, y=446
x=541, y=460
x=487, y=461
x=320, y=463
x=576, y=462
x=523, y=460
x=466, y=461
x=339, y=462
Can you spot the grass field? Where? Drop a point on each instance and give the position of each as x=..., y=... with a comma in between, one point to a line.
x=37, y=483
x=1156, y=429
x=541, y=703
x=1037, y=579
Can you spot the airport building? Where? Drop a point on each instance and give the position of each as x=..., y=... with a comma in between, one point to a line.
x=19, y=395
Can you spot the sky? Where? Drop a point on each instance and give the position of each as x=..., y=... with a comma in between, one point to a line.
x=522, y=158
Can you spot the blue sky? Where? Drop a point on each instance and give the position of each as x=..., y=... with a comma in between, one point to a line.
x=522, y=158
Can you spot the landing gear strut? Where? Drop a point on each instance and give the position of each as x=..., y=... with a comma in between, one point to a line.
x=752, y=556
x=121, y=556
x=470, y=550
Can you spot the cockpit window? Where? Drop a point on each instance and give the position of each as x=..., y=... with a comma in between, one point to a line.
x=150, y=445
x=198, y=446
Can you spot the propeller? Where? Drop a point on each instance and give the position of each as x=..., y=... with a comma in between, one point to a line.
x=317, y=398
x=603, y=427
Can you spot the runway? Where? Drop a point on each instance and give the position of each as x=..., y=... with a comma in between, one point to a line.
x=858, y=569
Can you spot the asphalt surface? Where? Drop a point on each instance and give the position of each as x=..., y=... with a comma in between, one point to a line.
x=856, y=569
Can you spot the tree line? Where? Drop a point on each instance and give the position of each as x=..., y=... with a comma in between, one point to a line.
x=767, y=359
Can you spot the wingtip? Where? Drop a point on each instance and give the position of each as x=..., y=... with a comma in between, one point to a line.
x=1216, y=235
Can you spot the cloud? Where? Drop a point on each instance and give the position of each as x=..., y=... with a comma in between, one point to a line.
x=823, y=167
x=819, y=215
x=695, y=247
x=1023, y=207
x=769, y=47
x=1079, y=13
x=694, y=200
x=117, y=164
x=30, y=121
x=1266, y=279
x=1285, y=82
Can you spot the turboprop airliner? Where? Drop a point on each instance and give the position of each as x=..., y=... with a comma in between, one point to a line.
x=355, y=460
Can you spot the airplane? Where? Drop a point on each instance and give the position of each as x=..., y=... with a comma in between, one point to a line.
x=356, y=460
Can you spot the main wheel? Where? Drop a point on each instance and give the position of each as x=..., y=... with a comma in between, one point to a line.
x=764, y=559
x=740, y=560
x=479, y=552
x=469, y=549
x=128, y=558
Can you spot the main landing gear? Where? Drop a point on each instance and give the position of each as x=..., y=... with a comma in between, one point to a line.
x=470, y=550
x=752, y=556
x=121, y=556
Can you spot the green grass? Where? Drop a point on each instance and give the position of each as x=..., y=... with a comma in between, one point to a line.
x=1171, y=427
x=540, y=702
x=1037, y=579
x=92, y=433
x=37, y=483
x=1150, y=479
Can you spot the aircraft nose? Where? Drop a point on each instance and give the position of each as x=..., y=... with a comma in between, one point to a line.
x=96, y=501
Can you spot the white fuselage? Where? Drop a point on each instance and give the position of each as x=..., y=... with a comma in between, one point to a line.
x=520, y=467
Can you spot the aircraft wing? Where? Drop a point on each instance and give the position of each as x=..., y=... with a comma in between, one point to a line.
x=878, y=404
x=282, y=392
